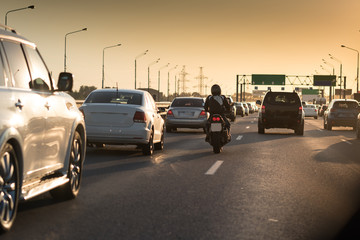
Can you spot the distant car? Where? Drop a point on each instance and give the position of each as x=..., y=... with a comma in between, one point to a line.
x=310, y=111
x=251, y=107
x=246, y=108
x=43, y=137
x=281, y=110
x=123, y=117
x=240, y=110
x=341, y=112
x=232, y=113
x=322, y=110
x=186, y=112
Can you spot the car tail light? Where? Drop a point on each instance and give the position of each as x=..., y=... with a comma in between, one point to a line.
x=170, y=113
x=139, y=117
x=203, y=113
x=263, y=109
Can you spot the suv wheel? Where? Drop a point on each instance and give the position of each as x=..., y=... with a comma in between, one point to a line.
x=9, y=187
x=71, y=189
x=300, y=130
x=261, y=128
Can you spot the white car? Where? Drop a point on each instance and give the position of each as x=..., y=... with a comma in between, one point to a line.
x=310, y=110
x=43, y=138
x=123, y=117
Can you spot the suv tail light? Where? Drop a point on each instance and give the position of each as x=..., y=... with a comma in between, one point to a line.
x=216, y=119
x=139, y=117
x=332, y=110
x=263, y=109
x=170, y=113
x=300, y=110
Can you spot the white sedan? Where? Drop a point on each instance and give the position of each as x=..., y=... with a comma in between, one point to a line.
x=310, y=110
x=125, y=117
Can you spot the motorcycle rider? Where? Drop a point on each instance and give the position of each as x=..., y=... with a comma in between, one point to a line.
x=217, y=104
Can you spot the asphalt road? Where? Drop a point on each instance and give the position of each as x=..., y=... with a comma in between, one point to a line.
x=272, y=186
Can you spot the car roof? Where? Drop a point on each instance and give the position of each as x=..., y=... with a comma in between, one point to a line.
x=10, y=34
x=189, y=98
x=119, y=90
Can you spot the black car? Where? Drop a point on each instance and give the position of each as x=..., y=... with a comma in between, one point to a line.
x=232, y=113
x=281, y=110
x=341, y=112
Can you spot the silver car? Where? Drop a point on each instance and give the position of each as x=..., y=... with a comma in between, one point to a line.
x=186, y=112
x=123, y=117
x=42, y=132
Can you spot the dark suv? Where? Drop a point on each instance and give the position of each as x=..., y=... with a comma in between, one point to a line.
x=281, y=110
x=341, y=112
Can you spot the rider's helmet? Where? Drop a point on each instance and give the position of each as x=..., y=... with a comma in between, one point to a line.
x=215, y=90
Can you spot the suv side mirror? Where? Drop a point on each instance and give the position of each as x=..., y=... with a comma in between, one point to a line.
x=65, y=82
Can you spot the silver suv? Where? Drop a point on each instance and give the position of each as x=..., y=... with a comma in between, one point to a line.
x=42, y=132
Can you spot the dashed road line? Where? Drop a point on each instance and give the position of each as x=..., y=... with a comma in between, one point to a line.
x=346, y=141
x=214, y=168
x=239, y=137
x=247, y=127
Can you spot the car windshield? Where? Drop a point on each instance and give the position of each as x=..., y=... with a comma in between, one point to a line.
x=283, y=98
x=115, y=97
x=345, y=105
x=187, y=102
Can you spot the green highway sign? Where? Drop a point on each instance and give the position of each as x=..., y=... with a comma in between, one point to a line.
x=267, y=79
x=310, y=91
x=324, y=80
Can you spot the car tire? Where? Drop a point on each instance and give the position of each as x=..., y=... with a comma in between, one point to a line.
x=10, y=190
x=160, y=145
x=300, y=130
x=148, y=149
x=329, y=126
x=71, y=189
x=261, y=128
x=168, y=129
x=357, y=131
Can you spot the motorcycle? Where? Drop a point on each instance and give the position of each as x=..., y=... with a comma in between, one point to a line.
x=218, y=133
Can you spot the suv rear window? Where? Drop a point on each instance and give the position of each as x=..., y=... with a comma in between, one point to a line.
x=115, y=97
x=345, y=105
x=188, y=103
x=282, y=98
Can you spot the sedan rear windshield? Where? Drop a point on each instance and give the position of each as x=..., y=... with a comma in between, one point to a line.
x=282, y=98
x=345, y=105
x=187, y=103
x=115, y=97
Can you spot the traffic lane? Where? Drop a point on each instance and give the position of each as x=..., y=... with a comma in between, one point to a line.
x=129, y=196
x=305, y=177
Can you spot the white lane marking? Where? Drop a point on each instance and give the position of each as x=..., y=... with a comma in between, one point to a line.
x=320, y=130
x=214, y=168
x=239, y=137
x=252, y=121
x=346, y=141
x=247, y=127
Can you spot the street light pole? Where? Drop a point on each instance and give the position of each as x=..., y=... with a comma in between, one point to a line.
x=149, y=72
x=14, y=10
x=144, y=53
x=168, y=82
x=337, y=60
x=159, y=79
x=357, y=72
x=84, y=29
x=103, y=64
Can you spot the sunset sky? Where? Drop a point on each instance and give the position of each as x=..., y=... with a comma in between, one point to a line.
x=226, y=38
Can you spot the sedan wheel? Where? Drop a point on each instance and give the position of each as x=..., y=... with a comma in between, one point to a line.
x=160, y=145
x=148, y=149
x=9, y=187
x=71, y=189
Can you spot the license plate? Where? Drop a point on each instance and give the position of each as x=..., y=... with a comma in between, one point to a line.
x=216, y=127
x=186, y=114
